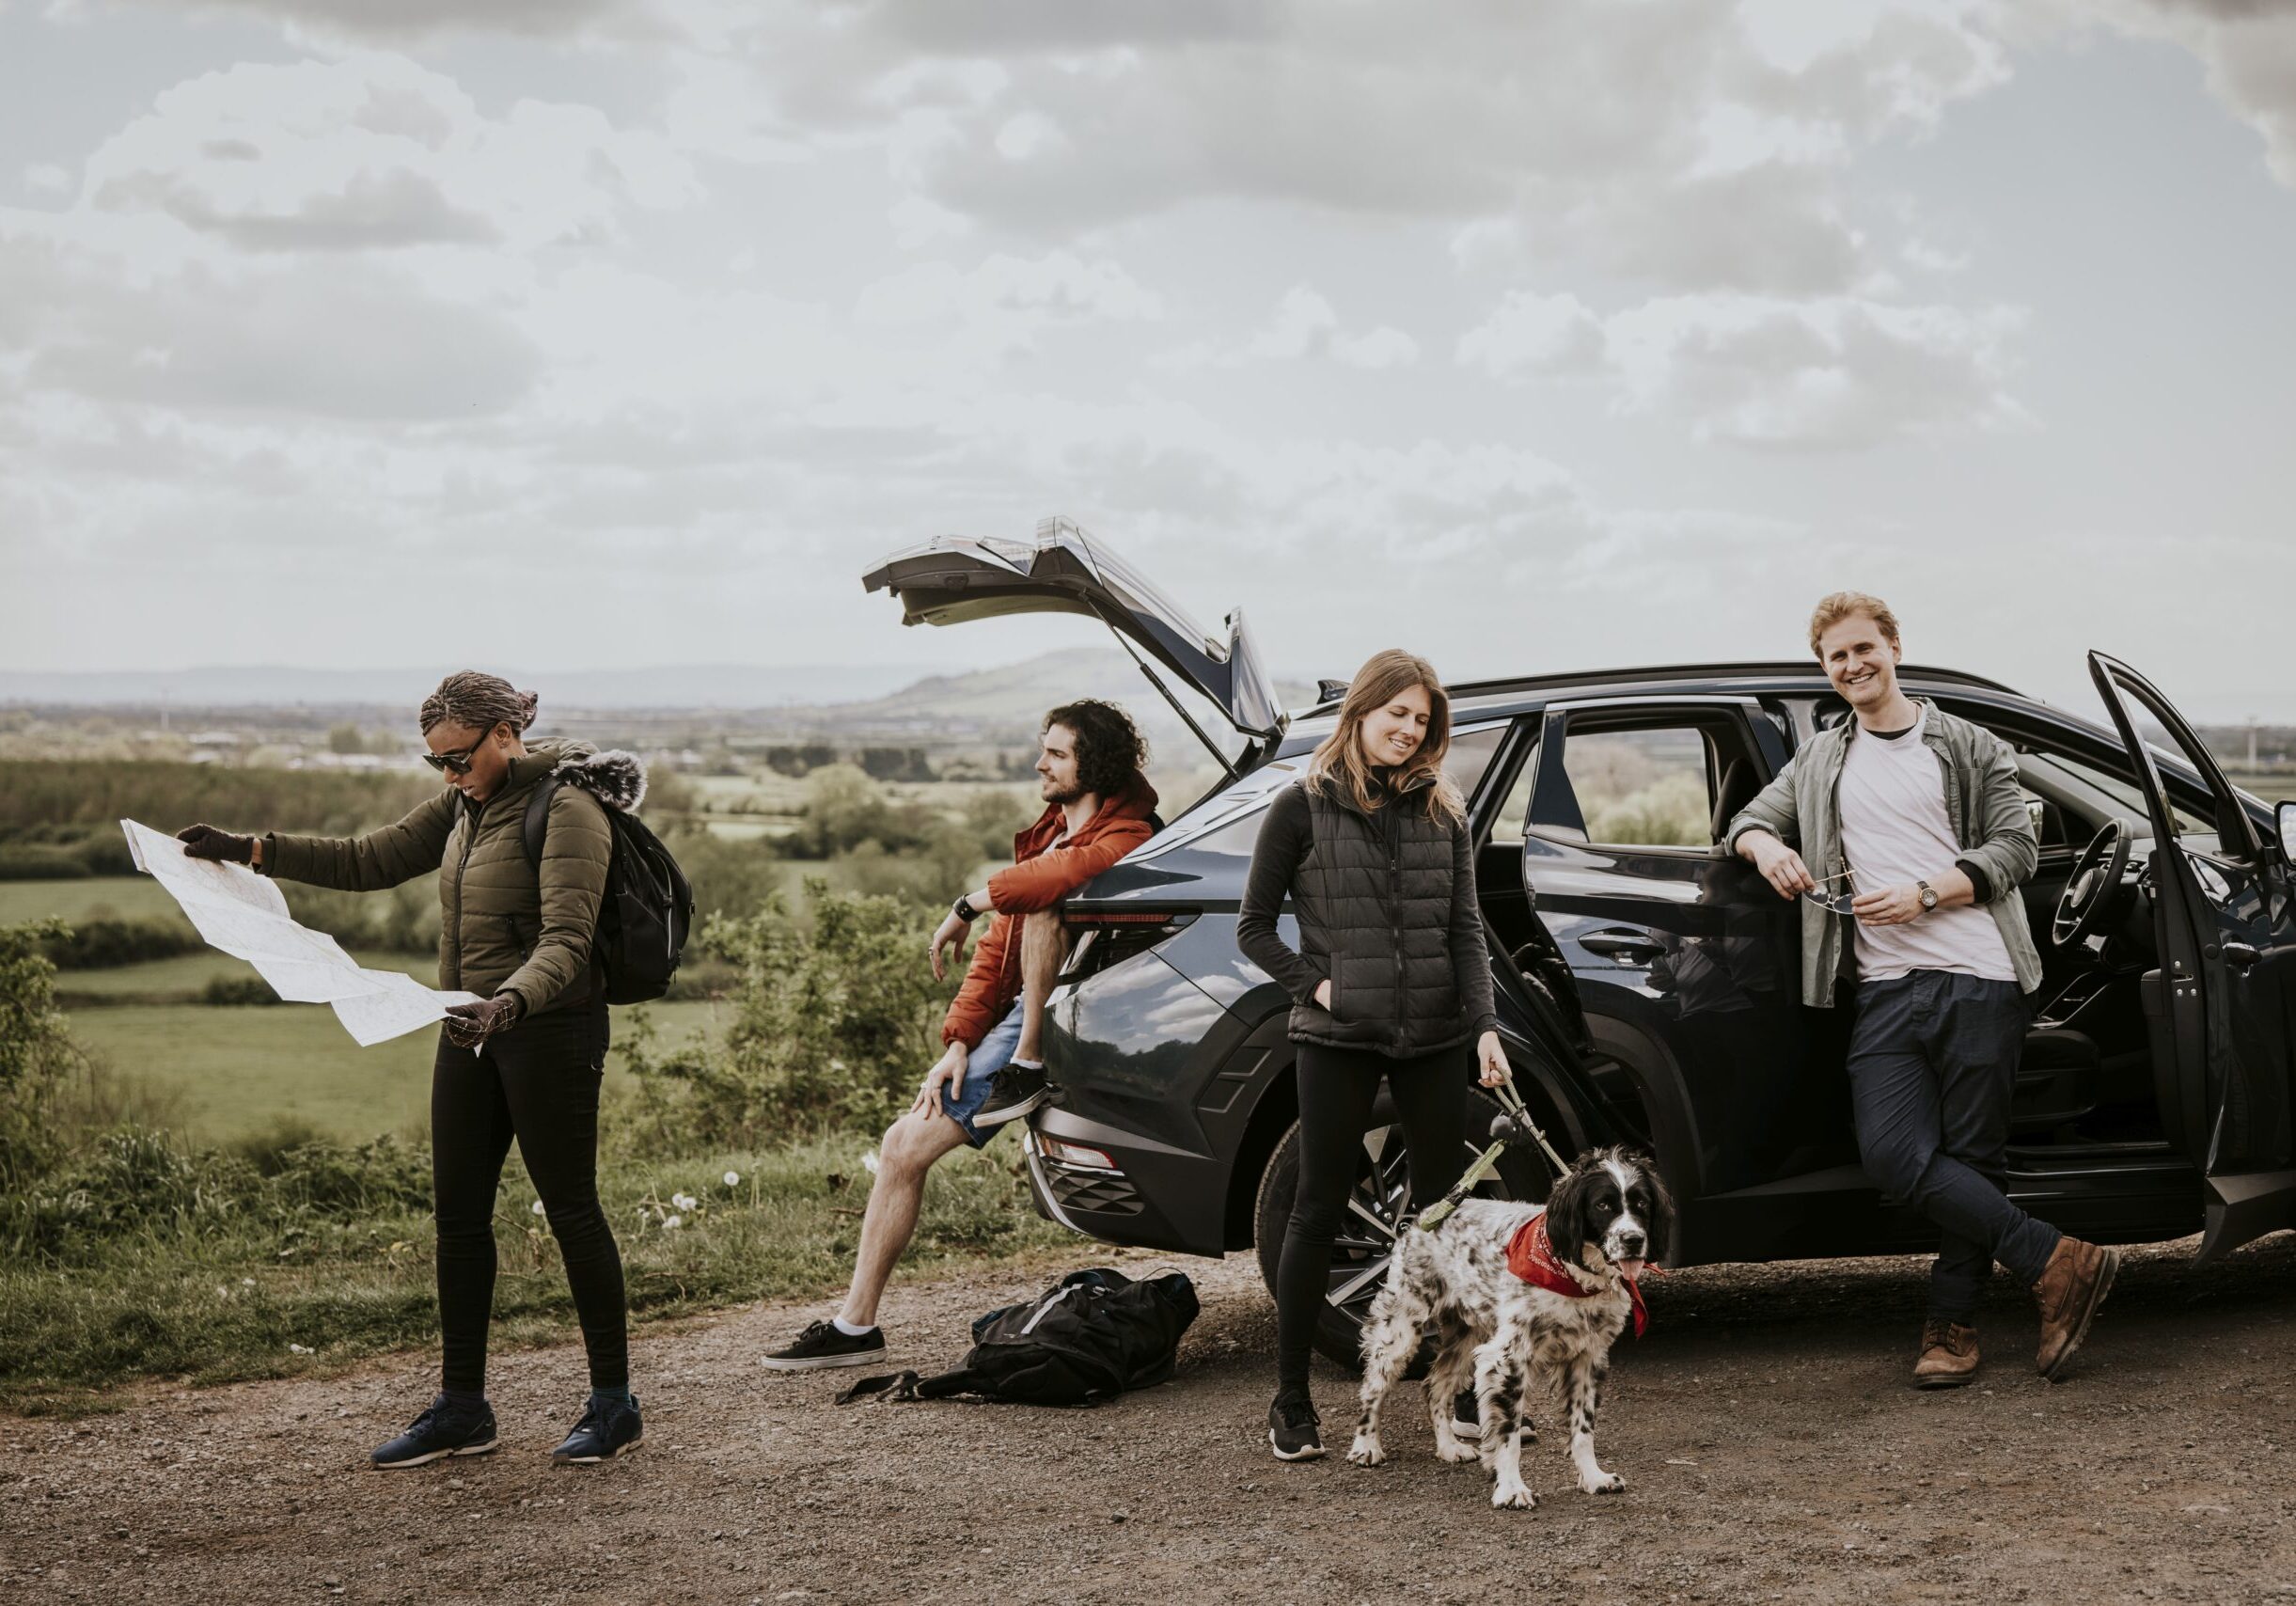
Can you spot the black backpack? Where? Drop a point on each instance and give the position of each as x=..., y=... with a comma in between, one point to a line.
x=1089, y=1337
x=646, y=910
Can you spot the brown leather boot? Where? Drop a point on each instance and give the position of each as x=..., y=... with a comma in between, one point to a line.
x=2071, y=1286
x=1948, y=1355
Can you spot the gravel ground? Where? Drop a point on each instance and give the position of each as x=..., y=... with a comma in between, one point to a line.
x=1771, y=1448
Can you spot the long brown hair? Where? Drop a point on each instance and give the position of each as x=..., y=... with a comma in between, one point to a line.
x=1339, y=761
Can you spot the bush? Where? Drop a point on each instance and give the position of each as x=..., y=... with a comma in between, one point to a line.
x=238, y=992
x=36, y=1052
x=25, y=862
x=834, y=1022
x=104, y=944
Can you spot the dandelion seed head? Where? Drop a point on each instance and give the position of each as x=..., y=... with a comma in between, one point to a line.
x=538, y=1207
x=671, y=1223
x=301, y=1350
x=733, y=1179
x=246, y=1282
x=684, y=1201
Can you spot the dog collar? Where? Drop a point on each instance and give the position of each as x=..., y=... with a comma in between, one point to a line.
x=1531, y=1257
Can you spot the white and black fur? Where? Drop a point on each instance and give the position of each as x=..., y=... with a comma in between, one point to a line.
x=1496, y=1332
x=615, y=778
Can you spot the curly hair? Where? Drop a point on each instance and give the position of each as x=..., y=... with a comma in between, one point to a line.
x=1110, y=751
x=1838, y=606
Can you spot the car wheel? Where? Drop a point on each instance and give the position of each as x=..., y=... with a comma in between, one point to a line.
x=1381, y=1197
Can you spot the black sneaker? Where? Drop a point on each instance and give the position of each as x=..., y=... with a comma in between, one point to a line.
x=442, y=1430
x=1466, y=1415
x=1292, y=1425
x=1013, y=1091
x=606, y=1429
x=824, y=1343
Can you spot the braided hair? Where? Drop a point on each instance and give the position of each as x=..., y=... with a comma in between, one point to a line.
x=480, y=702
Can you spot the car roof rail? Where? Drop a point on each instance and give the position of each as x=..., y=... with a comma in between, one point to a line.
x=1794, y=668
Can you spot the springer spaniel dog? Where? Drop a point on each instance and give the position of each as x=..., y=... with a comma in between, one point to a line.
x=1512, y=1290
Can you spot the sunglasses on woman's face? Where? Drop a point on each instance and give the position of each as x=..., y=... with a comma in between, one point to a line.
x=455, y=763
x=1834, y=892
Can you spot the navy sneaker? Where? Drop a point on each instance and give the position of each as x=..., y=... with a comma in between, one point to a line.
x=1013, y=1091
x=606, y=1429
x=445, y=1429
x=824, y=1343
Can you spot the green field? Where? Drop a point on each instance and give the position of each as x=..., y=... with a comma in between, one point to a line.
x=238, y=1070
x=97, y=897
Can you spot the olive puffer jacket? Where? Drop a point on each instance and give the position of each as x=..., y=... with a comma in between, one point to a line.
x=1388, y=914
x=505, y=926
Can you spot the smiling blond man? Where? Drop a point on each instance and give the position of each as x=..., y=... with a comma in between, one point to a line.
x=1916, y=819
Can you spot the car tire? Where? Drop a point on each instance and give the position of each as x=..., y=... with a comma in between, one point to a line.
x=1359, y=1258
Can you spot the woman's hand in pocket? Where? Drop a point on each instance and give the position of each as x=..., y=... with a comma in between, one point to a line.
x=1323, y=992
x=1491, y=1057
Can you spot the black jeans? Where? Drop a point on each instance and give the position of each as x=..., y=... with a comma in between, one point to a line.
x=1932, y=1064
x=539, y=1082
x=1337, y=1087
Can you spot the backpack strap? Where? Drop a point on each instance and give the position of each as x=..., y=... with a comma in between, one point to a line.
x=909, y=1386
x=534, y=829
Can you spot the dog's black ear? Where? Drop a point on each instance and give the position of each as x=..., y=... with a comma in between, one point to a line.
x=1662, y=1222
x=1566, y=1209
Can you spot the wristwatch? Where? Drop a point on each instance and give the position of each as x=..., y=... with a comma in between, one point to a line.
x=963, y=910
x=1928, y=897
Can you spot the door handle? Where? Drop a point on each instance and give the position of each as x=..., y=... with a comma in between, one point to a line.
x=2239, y=955
x=1628, y=947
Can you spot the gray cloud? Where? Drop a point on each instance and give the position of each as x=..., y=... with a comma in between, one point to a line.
x=372, y=211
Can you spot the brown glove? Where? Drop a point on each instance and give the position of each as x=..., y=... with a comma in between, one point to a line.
x=206, y=842
x=471, y=1024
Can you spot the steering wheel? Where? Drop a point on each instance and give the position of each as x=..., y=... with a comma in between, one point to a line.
x=2094, y=892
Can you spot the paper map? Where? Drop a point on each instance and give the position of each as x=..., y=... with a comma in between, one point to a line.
x=244, y=914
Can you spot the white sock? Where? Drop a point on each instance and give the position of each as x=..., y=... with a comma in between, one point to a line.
x=1026, y=1065
x=849, y=1329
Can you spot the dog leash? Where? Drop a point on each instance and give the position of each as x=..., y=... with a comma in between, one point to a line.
x=1512, y=1126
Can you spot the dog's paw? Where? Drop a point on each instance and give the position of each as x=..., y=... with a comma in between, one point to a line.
x=1513, y=1495
x=1602, y=1482
x=1457, y=1451
x=1366, y=1450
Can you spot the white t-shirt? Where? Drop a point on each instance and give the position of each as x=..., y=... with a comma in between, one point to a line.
x=1894, y=833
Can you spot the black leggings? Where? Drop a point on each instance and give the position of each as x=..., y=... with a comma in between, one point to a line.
x=537, y=1081
x=1336, y=1090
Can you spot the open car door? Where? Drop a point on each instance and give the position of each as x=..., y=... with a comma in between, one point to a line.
x=2219, y=1006
x=1064, y=570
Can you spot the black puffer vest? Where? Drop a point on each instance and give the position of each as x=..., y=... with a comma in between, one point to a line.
x=1373, y=897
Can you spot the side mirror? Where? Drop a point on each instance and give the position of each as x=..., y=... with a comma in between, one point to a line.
x=2284, y=816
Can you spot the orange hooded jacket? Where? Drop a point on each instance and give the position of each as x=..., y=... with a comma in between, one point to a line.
x=1041, y=877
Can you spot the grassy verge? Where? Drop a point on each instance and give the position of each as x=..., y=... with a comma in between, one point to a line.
x=217, y=1297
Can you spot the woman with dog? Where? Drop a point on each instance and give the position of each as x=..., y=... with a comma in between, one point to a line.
x=525, y=1060
x=1391, y=980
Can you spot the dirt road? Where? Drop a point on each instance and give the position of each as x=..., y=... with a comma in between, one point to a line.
x=1771, y=1449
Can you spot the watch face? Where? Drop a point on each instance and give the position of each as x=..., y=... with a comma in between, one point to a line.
x=1929, y=897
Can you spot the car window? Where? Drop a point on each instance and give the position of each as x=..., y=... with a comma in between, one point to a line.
x=1471, y=754
x=1641, y=788
x=2117, y=793
x=1513, y=814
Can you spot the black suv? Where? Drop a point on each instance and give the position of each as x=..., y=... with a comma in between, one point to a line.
x=1648, y=984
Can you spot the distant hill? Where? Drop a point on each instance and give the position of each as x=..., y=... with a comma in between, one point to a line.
x=692, y=685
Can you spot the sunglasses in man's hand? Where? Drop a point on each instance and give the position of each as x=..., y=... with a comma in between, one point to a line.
x=1834, y=892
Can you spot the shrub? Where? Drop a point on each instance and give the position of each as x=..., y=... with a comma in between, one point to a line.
x=103, y=944
x=238, y=992
x=21, y=862
x=835, y=1021
x=36, y=1052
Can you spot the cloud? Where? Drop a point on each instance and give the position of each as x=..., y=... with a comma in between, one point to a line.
x=1013, y=291
x=2249, y=50
x=416, y=19
x=370, y=150
x=1304, y=325
x=1756, y=371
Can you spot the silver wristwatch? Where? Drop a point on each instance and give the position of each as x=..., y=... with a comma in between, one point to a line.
x=1928, y=897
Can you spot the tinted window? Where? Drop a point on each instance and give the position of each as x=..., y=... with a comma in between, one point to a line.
x=1644, y=787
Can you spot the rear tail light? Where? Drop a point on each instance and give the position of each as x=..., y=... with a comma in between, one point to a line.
x=1062, y=1152
x=1099, y=939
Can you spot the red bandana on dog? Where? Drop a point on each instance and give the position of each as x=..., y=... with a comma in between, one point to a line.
x=1531, y=1257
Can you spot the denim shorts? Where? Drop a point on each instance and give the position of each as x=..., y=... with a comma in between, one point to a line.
x=981, y=1068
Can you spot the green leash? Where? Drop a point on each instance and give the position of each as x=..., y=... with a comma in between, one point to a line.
x=1509, y=1129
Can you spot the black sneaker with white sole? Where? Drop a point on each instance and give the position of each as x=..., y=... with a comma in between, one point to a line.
x=824, y=1343
x=609, y=1427
x=1013, y=1091
x=1293, y=1428
x=445, y=1429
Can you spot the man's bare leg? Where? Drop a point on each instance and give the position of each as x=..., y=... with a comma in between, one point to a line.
x=912, y=1144
x=1044, y=947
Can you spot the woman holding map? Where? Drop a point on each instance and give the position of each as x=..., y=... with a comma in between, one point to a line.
x=526, y=1060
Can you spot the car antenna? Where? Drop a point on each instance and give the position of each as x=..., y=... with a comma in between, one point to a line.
x=1084, y=544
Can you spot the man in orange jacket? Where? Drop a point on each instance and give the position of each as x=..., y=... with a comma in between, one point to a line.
x=1098, y=806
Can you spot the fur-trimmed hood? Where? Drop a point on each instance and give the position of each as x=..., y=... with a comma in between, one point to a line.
x=615, y=778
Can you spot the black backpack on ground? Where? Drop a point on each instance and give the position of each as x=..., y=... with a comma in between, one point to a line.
x=646, y=909
x=1087, y=1338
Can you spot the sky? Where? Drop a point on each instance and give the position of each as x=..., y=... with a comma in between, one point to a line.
x=620, y=333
